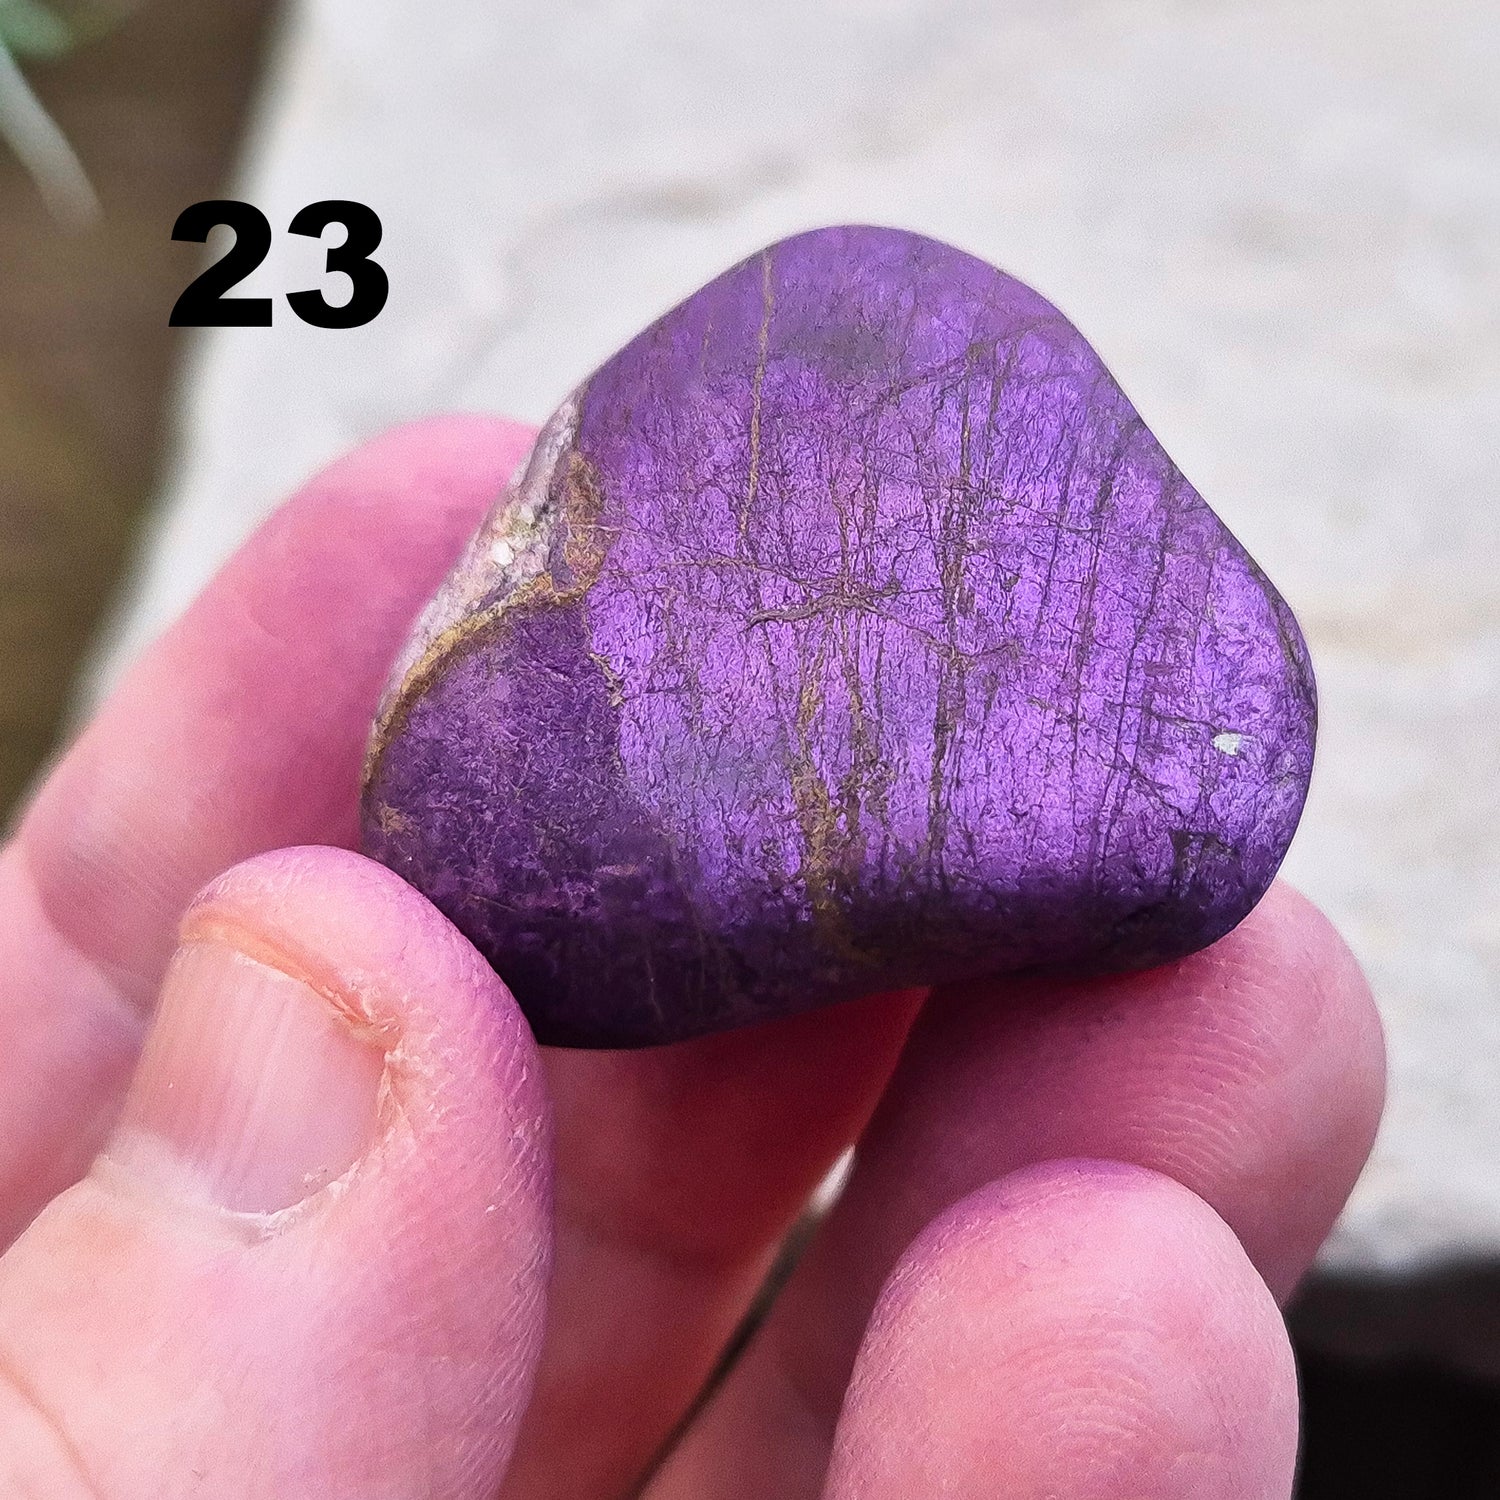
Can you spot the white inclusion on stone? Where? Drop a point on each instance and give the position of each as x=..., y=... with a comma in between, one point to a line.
x=1229, y=742
x=508, y=551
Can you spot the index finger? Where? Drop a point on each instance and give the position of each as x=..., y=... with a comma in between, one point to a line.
x=240, y=730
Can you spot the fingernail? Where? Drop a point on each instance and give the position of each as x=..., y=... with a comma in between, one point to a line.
x=253, y=1091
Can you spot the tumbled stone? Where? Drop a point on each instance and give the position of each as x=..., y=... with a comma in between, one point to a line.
x=847, y=630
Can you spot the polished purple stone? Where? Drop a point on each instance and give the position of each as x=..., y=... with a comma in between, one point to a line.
x=847, y=630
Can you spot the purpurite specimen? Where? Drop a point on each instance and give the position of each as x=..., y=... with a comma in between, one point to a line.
x=847, y=630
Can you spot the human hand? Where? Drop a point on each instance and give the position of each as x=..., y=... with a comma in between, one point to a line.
x=352, y=1235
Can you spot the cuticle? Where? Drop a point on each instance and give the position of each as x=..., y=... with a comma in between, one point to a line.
x=215, y=930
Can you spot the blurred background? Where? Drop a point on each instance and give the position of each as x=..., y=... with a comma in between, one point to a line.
x=1279, y=222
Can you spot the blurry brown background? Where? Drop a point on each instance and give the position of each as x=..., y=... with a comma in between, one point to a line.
x=154, y=107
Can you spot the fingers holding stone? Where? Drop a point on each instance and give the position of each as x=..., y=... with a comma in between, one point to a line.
x=243, y=727
x=1080, y=1330
x=312, y=1259
x=240, y=730
x=679, y=1171
x=1252, y=1073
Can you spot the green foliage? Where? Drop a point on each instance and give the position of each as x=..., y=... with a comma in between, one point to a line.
x=30, y=29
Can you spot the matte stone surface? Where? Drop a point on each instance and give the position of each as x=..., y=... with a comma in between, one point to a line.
x=848, y=630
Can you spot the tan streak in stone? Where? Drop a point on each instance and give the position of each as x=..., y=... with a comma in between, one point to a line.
x=578, y=498
x=762, y=347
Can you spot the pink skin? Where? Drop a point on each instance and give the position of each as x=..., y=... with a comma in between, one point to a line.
x=1111, y=1307
x=129, y=1299
x=378, y=1336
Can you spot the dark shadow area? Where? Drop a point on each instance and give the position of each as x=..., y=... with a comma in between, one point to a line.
x=1401, y=1386
x=1397, y=1433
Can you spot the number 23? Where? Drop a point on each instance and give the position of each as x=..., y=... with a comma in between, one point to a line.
x=203, y=303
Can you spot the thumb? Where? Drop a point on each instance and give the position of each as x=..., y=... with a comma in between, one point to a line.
x=312, y=1259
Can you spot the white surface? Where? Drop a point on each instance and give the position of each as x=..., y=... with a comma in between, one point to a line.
x=1279, y=222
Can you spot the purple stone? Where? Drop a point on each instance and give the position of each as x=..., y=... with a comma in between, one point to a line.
x=847, y=630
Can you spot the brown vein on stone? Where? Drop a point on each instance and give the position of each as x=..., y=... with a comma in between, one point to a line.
x=818, y=815
x=757, y=380
x=574, y=502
